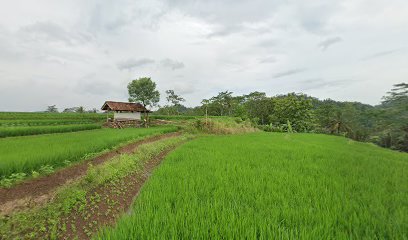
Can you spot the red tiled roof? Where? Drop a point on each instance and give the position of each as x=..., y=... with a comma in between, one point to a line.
x=123, y=106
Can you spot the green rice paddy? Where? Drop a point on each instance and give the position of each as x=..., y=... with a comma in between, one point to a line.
x=29, y=153
x=31, y=130
x=272, y=186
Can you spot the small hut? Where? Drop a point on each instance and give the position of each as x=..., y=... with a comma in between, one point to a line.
x=125, y=111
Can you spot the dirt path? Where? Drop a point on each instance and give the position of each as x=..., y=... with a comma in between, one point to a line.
x=113, y=200
x=38, y=190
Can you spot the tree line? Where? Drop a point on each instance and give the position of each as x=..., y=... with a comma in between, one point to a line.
x=385, y=124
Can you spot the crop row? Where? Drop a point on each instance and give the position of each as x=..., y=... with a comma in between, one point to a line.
x=24, y=131
x=46, y=122
x=30, y=153
x=272, y=186
x=42, y=115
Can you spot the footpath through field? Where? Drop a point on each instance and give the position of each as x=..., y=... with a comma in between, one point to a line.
x=39, y=190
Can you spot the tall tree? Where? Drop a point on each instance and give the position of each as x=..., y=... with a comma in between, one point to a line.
x=143, y=90
x=174, y=99
x=52, y=109
x=394, y=118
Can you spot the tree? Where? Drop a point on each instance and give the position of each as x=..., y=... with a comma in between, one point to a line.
x=175, y=100
x=143, y=90
x=258, y=107
x=52, y=109
x=221, y=104
x=80, y=109
x=295, y=108
x=393, y=118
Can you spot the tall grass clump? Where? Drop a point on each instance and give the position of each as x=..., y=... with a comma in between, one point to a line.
x=30, y=153
x=220, y=126
x=24, y=131
x=272, y=186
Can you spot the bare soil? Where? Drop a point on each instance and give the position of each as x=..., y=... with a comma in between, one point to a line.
x=39, y=190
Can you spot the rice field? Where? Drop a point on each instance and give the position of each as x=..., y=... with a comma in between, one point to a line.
x=272, y=186
x=34, y=130
x=45, y=122
x=30, y=153
x=47, y=116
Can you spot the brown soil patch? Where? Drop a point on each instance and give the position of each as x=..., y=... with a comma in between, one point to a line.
x=105, y=204
x=40, y=189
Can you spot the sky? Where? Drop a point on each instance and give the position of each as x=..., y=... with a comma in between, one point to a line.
x=82, y=53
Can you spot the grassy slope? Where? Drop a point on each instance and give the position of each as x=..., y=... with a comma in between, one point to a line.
x=24, y=154
x=271, y=185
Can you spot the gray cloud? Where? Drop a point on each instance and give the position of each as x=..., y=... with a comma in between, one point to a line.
x=172, y=64
x=288, y=73
x=329, y=42
x=51, y=32
x=380, y=54
x=268, y=43
x=270, y=59
x=319, y=83
x=131, y=63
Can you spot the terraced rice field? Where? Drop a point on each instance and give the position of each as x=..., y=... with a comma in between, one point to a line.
x=35, y=130
x=272, y=186
x=30, y=153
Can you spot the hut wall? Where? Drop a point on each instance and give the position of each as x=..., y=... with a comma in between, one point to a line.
x=127, y=116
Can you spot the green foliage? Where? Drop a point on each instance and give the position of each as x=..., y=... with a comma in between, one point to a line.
x=393, y=114
x=52, y=109
x=272, y=186
x=293, y=108
x=12, y=179
x=143, y=90
x=30, y=153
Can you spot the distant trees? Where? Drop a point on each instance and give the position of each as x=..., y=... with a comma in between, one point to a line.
x=79, y=109
x=385, y=124
x=392, y=126
x=52, y=109
x=295, y=110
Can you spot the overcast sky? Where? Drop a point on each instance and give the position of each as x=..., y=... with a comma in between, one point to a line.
x=76, y=52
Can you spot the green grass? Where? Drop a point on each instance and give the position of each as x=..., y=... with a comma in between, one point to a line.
x=30, y=153
x=30, y=130
x=272, y=186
